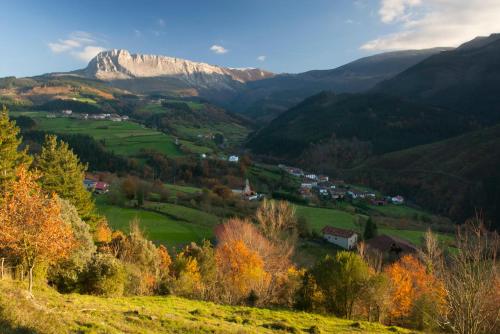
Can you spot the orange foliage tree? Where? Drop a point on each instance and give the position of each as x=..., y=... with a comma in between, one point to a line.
x=31, y=228
x=409, y=281
x=240, y=270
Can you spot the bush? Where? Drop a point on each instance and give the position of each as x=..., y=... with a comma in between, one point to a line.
x=105, y=275
x=65, y=275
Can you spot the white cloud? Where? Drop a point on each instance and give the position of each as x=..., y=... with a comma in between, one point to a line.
x=261, y=58
x=218, y=49
x=160, y=22
x=423, y=24
x=137, y=33
x=80, y=44
x=87, y=53
x=396, y=10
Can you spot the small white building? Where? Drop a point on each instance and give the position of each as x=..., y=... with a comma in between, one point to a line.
x=398, y=200
x=312, y=176
x=67, y=112
x=233, y=158
x=346, y=239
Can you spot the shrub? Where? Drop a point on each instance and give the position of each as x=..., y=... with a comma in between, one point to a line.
x=65, y=275
x=105, y=275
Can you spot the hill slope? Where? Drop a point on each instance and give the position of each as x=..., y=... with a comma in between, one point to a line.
x=265, y=99
x=385, y=123
x=455, y=176
x=51, y=312
x=465, y=80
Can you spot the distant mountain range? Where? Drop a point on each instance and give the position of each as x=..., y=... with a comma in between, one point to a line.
x=265, y=99
x=258, y=94
x=445, y=94
x=465, y=80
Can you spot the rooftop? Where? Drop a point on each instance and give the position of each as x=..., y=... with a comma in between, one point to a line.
x=339, y=232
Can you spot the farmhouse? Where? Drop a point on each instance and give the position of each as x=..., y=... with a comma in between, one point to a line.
x=346, y=239
x=398, y=200
x=391, y=245
x=101, y=187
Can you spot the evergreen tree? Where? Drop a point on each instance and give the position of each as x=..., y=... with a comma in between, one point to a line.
x=63, y=174
x=371, y=229
x=10, y=155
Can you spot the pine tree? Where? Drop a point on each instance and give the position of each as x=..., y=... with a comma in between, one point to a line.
x=63, y=174
x=371, y=230
x=10, y=155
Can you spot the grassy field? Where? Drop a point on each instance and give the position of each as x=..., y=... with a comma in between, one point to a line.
x=179, y=225
x=320, y=217
x=123, y=138
x=51, y=312
x=182, y=189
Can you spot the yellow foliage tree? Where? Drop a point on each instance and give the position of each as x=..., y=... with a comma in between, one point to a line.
x=31, y=228
x=241, y=270
x=409, y=280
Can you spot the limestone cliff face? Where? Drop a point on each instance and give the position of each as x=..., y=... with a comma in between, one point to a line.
x=121, y=65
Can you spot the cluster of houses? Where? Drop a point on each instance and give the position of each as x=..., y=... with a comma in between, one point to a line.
x=69, y=113
x=97, y=187
x=320, y=185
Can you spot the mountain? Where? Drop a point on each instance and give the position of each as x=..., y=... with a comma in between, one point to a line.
x=267, y=98
x=161, y=74
x=383, y=122
x=465, y=80
x=454, y=177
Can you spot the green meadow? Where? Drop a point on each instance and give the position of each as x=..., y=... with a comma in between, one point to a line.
x=123, y=138
x=175, y=225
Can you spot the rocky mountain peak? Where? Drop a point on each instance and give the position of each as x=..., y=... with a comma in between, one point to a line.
x=120, y=64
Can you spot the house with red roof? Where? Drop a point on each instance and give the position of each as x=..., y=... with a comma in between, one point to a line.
x=346, y=239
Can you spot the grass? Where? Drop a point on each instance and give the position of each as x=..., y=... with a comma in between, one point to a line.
x=123, y=138
x=51, y=312
x=182, y=189
x=178, y=226
x=320, y=217
x=399, y=211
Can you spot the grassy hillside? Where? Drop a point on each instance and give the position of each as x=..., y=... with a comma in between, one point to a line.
x=123, y=138
x=400, y=221
x=51, y=312
x=175, y=225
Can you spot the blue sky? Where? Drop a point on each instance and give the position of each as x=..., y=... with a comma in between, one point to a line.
x=279, y=35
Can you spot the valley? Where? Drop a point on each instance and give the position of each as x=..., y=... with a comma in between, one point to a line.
x=164, y=195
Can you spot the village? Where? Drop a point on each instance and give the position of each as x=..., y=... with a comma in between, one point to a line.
x=102, y=116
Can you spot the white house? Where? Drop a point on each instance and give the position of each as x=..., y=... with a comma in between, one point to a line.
x=346, y=239
x=233, y=158
x=398, y=200
x=312, y=176
x=67, y=112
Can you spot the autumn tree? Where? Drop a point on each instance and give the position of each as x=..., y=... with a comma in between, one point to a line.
x=410, y=283
x=240, y=270
x=31, y=227
x=63, y=174
x=10, y=154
